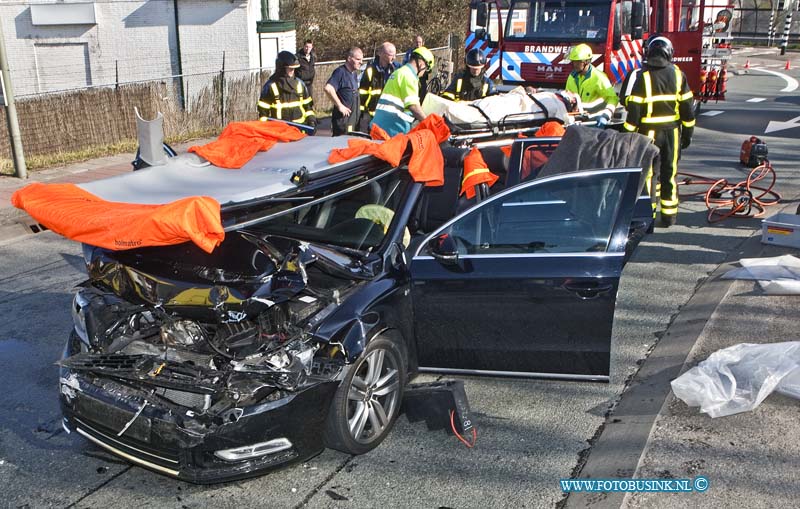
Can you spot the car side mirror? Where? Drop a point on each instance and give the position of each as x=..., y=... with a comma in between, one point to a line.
x=444, y=248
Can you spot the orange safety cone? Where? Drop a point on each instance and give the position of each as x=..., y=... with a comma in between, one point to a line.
x=787, y=66
x=747, y=64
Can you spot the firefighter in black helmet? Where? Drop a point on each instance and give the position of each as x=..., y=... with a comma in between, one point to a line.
x=285, y=96
x=471, y=83
x=660, y=106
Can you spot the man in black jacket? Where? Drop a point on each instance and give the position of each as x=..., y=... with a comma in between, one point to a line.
x=342, y=89
x=308, y=59
x=660, y=107
x=374, y=77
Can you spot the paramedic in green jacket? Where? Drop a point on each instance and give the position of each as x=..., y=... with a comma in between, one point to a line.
x=592, y=85
x=399, y=104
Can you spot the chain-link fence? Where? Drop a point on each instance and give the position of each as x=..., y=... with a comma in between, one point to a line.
x=59, y=127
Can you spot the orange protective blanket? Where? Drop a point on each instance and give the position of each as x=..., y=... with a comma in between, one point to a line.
x=426, y=164
x=240, y=141
x=549, y=128
x=476, y=171
x=81, y=216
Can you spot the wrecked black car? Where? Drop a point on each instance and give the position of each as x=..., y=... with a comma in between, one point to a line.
x=333, y=286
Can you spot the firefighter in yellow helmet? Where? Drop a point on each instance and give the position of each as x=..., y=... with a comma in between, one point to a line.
x=660, y=106
x=399, y=104
x=592, y=85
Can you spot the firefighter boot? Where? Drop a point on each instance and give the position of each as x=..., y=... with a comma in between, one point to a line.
x=668, y=220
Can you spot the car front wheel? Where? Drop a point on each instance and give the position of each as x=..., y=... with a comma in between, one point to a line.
x=368, y=400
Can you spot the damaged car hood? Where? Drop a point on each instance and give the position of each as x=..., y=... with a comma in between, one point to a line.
x=242, y=278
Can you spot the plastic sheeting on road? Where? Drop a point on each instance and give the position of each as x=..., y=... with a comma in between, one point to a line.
x=779, y=275
x=739, y=378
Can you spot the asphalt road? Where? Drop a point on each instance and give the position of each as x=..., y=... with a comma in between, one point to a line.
x=530, y=433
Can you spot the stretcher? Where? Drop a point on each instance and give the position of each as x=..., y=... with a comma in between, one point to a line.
x=504, y=115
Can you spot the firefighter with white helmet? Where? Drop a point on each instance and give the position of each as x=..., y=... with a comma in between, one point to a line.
x=399, y=104
x=660, y=106
x=592, y=85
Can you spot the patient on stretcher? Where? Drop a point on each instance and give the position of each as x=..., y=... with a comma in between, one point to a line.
x=513, y=109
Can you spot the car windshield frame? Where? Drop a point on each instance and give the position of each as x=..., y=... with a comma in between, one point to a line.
x=308, y=207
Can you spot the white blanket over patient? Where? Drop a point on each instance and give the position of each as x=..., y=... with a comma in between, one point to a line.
x=525, y=108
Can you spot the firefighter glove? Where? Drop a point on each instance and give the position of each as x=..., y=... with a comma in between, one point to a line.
x=602, y=121
x=686, y=137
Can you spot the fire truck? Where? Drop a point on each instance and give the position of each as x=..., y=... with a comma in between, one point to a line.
x=527, y=41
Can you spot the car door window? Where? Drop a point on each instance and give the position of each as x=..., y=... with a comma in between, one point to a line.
x=567, y=214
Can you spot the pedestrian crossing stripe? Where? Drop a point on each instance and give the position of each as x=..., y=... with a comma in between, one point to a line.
x=712, y=113
x=757, y=99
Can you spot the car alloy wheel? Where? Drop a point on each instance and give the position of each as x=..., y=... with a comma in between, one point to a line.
x=368, y=400
x=373, y=396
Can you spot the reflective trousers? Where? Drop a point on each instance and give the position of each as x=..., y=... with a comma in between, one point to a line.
x=669, y=146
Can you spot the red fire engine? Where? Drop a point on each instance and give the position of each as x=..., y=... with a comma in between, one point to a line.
x=527, y=41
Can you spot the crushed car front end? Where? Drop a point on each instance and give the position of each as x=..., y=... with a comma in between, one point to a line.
x=180, y=364
x=218, y=366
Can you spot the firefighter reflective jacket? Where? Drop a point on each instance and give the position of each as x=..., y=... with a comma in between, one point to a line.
x=287, y=98
x=469, y=88
x=371, y=86
x=595, y=90
x=660, y=99
x=401, y=91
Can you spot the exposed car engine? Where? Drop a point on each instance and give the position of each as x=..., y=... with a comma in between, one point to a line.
x=209, y=347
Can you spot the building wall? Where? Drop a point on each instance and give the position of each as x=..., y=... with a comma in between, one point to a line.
x=135, y=40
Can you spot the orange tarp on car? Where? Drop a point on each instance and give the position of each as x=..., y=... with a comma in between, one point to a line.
x=240, y=141
x=81, y=216
x=426, y=164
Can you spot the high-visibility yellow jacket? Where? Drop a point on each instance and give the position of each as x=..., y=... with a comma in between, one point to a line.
x=401, y=91
x=595, y=90
x=287, y=98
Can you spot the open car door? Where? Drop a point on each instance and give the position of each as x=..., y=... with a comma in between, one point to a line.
x=525, y=282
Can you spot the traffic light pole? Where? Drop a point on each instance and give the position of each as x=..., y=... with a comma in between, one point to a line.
x=20, y=169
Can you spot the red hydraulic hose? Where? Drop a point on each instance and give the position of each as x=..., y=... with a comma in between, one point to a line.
x=743, y=199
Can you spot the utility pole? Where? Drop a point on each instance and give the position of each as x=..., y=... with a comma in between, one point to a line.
x=787, y=25
x=20, y=169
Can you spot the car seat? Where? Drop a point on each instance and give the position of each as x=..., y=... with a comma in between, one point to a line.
x=439, y=204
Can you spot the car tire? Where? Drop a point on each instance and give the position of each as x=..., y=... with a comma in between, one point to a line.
x=367, y=402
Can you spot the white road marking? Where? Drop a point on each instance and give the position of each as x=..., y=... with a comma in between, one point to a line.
x=712, y=113
x=756, y=99
x=779, y=126
x=791, y=83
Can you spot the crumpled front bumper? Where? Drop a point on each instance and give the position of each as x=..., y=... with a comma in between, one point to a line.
x=173, y=441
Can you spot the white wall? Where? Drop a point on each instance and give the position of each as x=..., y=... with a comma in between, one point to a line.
x=137, y=36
